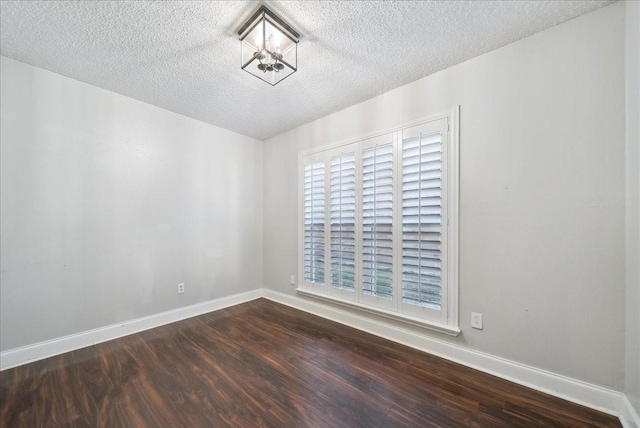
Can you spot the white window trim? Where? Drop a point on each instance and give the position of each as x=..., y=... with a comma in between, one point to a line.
x=451, y=326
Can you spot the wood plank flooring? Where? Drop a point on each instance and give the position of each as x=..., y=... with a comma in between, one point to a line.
x=264, y=364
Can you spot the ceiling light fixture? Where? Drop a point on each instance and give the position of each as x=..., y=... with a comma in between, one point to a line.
x=269, y=47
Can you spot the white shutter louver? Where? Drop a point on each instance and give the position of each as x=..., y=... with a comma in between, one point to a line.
x=343, y=208
x=314, y=226
x=422, y=221
x=377, y=209
x=380, y=230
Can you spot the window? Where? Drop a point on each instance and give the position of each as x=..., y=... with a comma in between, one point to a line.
x=390, y=217
x=314, y=223
x=377, y=225
x=343, y=221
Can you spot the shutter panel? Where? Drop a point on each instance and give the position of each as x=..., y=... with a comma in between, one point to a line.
x=314, y=226
x=377, y=209
x=343, y=208
x=422, y=221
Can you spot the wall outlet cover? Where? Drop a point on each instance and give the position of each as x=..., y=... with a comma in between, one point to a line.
x=476, y=320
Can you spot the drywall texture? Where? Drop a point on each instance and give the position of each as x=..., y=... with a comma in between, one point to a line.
x=542, y=210
x=108, y=203
x=185, y=55
x=632, y=372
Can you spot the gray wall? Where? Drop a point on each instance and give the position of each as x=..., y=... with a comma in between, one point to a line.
x=632, y=373
x=542, y=226
x=108, y=203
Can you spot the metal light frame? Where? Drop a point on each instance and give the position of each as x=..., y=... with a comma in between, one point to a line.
x=275, y=61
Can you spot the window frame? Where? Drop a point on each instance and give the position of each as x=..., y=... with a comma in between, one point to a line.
x=445, y=320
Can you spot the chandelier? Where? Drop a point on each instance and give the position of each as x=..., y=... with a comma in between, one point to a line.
x=269, y=47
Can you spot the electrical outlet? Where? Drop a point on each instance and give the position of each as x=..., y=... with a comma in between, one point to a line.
x=181, y=288
x=292, y=280
x=476, y=320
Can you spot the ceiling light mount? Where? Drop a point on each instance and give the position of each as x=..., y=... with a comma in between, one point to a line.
x=269, y=47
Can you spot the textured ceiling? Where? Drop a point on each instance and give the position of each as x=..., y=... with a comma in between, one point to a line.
x=185, y=56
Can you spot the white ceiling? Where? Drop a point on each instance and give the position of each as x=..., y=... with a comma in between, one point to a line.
x=185, y=56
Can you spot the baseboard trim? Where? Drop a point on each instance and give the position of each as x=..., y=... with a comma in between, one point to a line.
x=628, y=415
x=605, y=400
x=38, y=351
x=595, y=397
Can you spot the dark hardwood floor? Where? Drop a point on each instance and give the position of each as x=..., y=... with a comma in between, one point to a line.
x=265, y=364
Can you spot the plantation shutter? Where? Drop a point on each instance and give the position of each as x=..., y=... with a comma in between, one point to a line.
x=380, y=230
x=377, y=208
x=422, y=221
x=343, y=216
x=314, y=225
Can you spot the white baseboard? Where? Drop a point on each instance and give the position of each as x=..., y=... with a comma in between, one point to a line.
x=605, y=400
x=26, y=354
x=628, y=415
x=595, y=397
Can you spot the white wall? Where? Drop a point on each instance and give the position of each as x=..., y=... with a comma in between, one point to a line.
x=108, y=203
x=542, y=227
x=632, y=372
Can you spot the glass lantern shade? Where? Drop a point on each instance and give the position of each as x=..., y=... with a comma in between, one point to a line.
x=269, y=47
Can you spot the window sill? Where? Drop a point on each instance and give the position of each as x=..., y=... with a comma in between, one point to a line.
x=426, y=324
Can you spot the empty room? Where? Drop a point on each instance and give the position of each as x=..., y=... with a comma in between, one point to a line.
x=320, y=214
